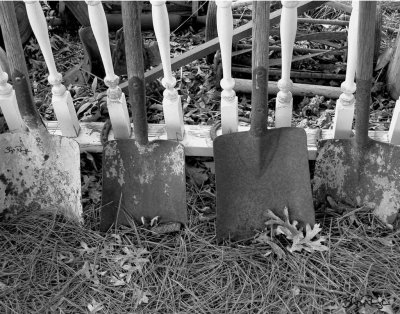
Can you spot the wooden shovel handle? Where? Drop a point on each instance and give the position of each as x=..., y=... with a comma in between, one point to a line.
x=18, y=69
x=131, y=11
x=260, y=51
x=366, y=42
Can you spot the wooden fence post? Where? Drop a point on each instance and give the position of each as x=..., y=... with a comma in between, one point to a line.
x=284, y=99
x=344, y=113
x=172, y=107
x=61, y=98
x=8, y=104
x=116, y=102
x=229, y=100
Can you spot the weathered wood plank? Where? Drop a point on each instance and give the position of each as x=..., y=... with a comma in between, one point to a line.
x=197, y=139
x=244, y=86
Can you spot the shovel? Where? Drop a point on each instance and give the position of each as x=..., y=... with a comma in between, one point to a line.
x=141, y=180
x=261, y=169
x=360, y=171
x=38, y=171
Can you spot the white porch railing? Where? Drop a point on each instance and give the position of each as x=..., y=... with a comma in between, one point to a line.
x=196, y=138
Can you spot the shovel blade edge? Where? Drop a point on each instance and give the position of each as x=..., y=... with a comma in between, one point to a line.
x=143, y=181
x=359, y=176
x=254, y=174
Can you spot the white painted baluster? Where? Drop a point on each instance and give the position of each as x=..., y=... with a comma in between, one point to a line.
x=172, y=101
x=116, y=102
x=394, y=130
x=8, y=104
x=229, y=100
x=344, y=113
x=284, y=99
x=61, y=98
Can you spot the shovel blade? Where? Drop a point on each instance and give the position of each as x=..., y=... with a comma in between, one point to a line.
x=40, y=172
x=143, y=181
x=257, y=174
x=368, y=175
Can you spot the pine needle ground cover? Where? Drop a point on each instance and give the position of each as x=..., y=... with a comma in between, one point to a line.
x=48, y=265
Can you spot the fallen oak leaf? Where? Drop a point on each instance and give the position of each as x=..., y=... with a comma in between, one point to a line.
x=301, y=242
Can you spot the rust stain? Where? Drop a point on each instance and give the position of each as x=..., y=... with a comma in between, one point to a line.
x=115, y=165
x=175, y=161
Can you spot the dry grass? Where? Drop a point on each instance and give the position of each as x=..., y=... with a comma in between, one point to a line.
x=50, y=265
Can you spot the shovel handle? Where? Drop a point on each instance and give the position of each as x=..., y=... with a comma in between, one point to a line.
x=366, y=42
x=131, y=11
x=18, y=69
x=260, y=52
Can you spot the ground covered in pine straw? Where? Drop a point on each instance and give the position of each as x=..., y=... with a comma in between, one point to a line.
x=49, y=265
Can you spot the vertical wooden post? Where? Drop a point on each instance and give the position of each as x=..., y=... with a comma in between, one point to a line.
x=394, y=129
x=172, y=101
x=344, y=113
x=8, y=104
x=116, y=102
x=61, y=98
x=229, y=100
x=284, y=99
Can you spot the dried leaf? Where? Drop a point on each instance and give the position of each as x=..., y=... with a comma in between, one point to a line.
x=86, y=249
x=296, y=290
x=291, y=232
x=94, y=85
x=117, y=282
x=84, y=107
x=384, y=58
x=141, y=296
x=67, y=258
x=387, y=308
x=301, y=242
x=95, y=306
x=90, y=272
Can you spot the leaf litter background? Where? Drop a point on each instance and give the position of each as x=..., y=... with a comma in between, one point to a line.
x=348, y=263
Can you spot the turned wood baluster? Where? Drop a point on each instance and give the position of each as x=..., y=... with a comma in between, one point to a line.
x=344, y=113
x=172, y=101
x=8, y=104
x=61, y=98
x=284, y=99
x=394, y=129
x=116, y=102
x=229, y=100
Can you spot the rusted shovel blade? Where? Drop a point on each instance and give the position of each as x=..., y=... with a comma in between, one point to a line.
x=254, y=174
x=368, y=175
x=40, y=171
x=143, y=181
